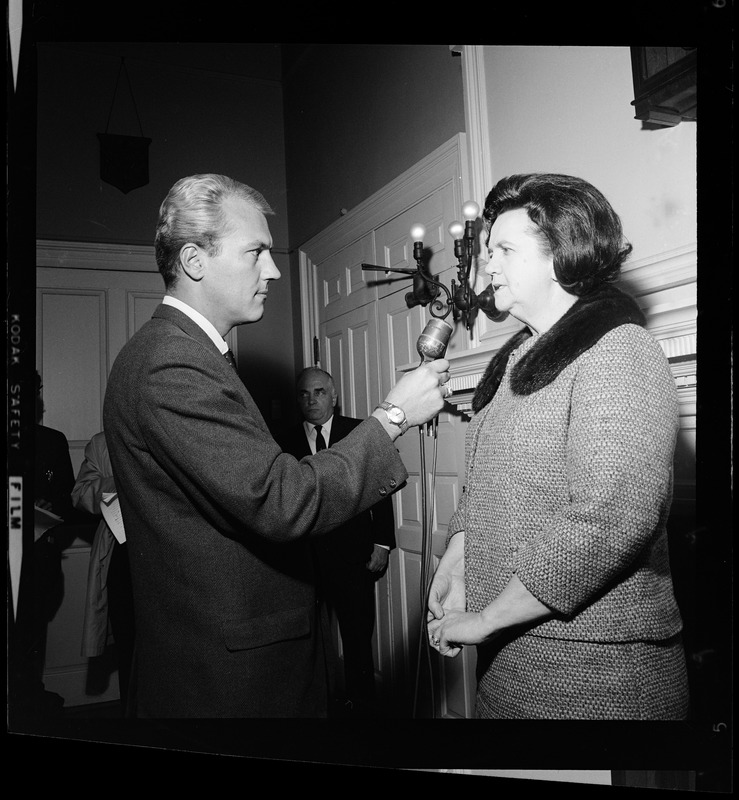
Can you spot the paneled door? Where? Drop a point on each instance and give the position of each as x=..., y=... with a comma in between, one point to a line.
x=367, y=338
x=348, y=347
x=424, y=684
x=84, y=317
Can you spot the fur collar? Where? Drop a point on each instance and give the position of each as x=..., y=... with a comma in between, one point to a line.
x=589, y=319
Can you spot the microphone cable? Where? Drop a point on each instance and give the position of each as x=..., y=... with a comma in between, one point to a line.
x=427, y=519
x=431, y=344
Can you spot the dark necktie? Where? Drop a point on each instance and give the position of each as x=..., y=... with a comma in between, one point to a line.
x=320, y=441
x=229, y=356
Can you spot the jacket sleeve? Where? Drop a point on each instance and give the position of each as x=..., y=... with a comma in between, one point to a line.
x=381, y=515
x=94, y=478
x=457, y=522
x=203, y=428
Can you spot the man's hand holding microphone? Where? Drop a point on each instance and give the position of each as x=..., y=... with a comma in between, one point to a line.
x=418, y=396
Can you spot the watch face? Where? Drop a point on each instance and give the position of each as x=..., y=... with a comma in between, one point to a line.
x=396, y=415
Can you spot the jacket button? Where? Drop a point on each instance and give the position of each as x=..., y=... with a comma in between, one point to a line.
x=393, y=484
x=383, y=491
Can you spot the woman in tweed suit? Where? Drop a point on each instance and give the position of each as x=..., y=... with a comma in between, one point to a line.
x=557, y=565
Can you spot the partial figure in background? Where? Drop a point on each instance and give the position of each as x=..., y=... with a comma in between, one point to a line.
x=54, y=474
x=351, y=558
x=42, y=581
x=557, y=564
x=109, y=598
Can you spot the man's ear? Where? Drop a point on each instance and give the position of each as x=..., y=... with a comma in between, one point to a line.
x=192, y=262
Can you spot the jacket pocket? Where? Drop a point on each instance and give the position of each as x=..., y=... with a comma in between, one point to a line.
x=293, y=623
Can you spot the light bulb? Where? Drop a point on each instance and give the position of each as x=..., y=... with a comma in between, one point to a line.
x=418, y=231
x=456, y=229
x=470, y=210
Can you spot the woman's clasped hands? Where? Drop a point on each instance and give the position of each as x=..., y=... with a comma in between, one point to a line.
x=449, y=626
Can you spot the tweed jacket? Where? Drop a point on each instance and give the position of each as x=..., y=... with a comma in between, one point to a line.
x=569, y=476
x=216, y=520
x=354, y=540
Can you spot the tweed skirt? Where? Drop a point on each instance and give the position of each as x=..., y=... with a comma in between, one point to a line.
x=532, y=677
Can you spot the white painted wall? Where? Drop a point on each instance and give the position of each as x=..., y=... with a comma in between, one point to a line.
x=568, y=109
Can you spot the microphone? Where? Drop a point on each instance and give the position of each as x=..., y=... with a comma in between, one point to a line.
x=486, y=303
x=433, y=340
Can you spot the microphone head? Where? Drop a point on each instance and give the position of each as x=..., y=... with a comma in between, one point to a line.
x=433, y=340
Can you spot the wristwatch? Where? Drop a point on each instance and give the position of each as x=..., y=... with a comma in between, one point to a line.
x=396, y=415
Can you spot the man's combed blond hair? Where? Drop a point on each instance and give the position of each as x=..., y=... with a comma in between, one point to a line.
x=193, y=212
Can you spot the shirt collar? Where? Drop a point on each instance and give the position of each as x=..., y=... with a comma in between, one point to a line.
x=310, y=429
x=198, y=319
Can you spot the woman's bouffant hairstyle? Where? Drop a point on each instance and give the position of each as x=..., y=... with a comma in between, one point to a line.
x=574, y=221
x=192, y=211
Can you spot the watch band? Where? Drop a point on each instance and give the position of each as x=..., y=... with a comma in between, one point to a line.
x=403, y=423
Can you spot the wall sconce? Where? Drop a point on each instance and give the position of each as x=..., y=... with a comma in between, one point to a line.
x=460, y=300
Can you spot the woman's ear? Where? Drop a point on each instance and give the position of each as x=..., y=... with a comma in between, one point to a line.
x=191, y=259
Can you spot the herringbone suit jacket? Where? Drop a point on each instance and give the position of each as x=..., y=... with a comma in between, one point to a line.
x=353, y=541
x=216, y=519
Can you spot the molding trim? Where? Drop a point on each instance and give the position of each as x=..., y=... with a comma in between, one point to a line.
x=309, y=306
x=445, y=164
x=665, y=286
x=409, y=188
x=87, y=255
x=478, y=178
x=661, y=271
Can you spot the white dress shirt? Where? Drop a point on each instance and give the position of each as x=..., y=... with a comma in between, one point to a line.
x=200, y=320
x=310, y=432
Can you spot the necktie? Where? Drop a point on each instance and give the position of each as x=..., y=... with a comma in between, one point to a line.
x=229, y=356
x=320, y=441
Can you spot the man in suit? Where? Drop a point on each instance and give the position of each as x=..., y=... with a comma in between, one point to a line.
x=217, y=517
x=42, y=580
x=350, y=558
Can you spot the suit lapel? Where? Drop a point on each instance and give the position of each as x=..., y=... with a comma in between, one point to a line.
x=338, y=430
x=302, y=447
